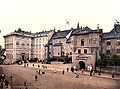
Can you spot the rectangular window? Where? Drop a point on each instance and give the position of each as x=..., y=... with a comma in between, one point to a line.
x=79, y=50
x=82, y=42
x=85, y=51
x=118, y=50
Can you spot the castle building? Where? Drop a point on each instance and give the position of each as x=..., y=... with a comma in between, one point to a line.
x=111, y=41
x=86, y=47
x=21, y=45
x=81, y=45
x=59, y=46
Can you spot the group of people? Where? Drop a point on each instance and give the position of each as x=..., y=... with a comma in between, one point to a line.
x=3, y=81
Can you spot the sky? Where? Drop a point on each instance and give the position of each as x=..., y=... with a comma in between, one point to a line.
x=41, y=15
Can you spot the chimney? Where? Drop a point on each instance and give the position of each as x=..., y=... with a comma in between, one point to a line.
x=78, y=25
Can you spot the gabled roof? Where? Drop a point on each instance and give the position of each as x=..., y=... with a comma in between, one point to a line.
x=61, y=34
x=83, y=31
x=114, y=33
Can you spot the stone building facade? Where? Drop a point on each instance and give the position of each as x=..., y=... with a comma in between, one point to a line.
x=21, y=45
x=59, y=46
x=111, y=41
x=86, y=47
x=83, y=45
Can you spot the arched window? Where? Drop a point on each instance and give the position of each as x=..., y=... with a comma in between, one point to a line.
x=82, y=42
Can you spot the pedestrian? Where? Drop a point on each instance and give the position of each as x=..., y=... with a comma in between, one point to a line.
x=113, y=75
x=67, y=69
x=55, y=71
x=72, y=69
x=25, y=83
x=77, y=75
x=26, y=88
x=38, y=66
x=91, y=70
x=43, y=72
x=82, y=71
x=3, y=76
x=6, y=83
x=36, y=77
x=63, y=72
x=93, y=73
x=11, y=76
x=1, y=85
x=27, y=65
x=33, y=65
x=39, y=72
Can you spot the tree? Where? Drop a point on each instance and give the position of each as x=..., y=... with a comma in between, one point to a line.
x=103, y=61
x=115, y=60
x=2, y=56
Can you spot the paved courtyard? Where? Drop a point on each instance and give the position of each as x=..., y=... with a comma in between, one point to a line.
x=25, y=77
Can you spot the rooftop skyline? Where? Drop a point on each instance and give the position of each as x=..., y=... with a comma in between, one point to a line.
x=39, y=15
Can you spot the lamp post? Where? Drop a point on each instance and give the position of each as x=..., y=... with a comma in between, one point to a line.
x=11, y=79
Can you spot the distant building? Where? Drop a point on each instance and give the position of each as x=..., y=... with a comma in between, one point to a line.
x=59, y=46
x=111, y=41
x=21, y=45
x=86, y=47
x=81, y=45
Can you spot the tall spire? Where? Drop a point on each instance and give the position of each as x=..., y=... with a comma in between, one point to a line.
x=78, y=26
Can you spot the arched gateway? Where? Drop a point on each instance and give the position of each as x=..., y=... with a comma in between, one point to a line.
x=82, y=65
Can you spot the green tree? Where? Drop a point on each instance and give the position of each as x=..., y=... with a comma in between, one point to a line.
x=115, y=60
x=2, y=56
x=103, y=61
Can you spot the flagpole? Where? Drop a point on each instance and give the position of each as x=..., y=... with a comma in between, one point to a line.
x=66, y=22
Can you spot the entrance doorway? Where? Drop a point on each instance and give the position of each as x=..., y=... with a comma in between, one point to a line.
x=82, y=65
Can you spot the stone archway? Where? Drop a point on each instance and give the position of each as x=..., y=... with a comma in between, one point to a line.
x=82, y=65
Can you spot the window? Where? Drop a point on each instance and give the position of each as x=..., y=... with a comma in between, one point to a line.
x=36, y=40
x=89, y=41
x=63, y=53
x=108, y=43
x=95, y=41
x=17, y=43
x=107, y=51
x=82, y=42
x=27, y=44
x=118, y=50
x=118, y=42
x=85, y=51
x=79, y=50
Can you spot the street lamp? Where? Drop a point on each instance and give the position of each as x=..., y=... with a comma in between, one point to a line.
x=11, y=79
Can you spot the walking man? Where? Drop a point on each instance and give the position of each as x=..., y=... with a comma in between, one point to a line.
x=36, y=77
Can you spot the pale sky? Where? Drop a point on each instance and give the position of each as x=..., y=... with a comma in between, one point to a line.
x=40, y=15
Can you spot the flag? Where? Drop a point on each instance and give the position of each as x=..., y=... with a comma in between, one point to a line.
x=67, y=22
